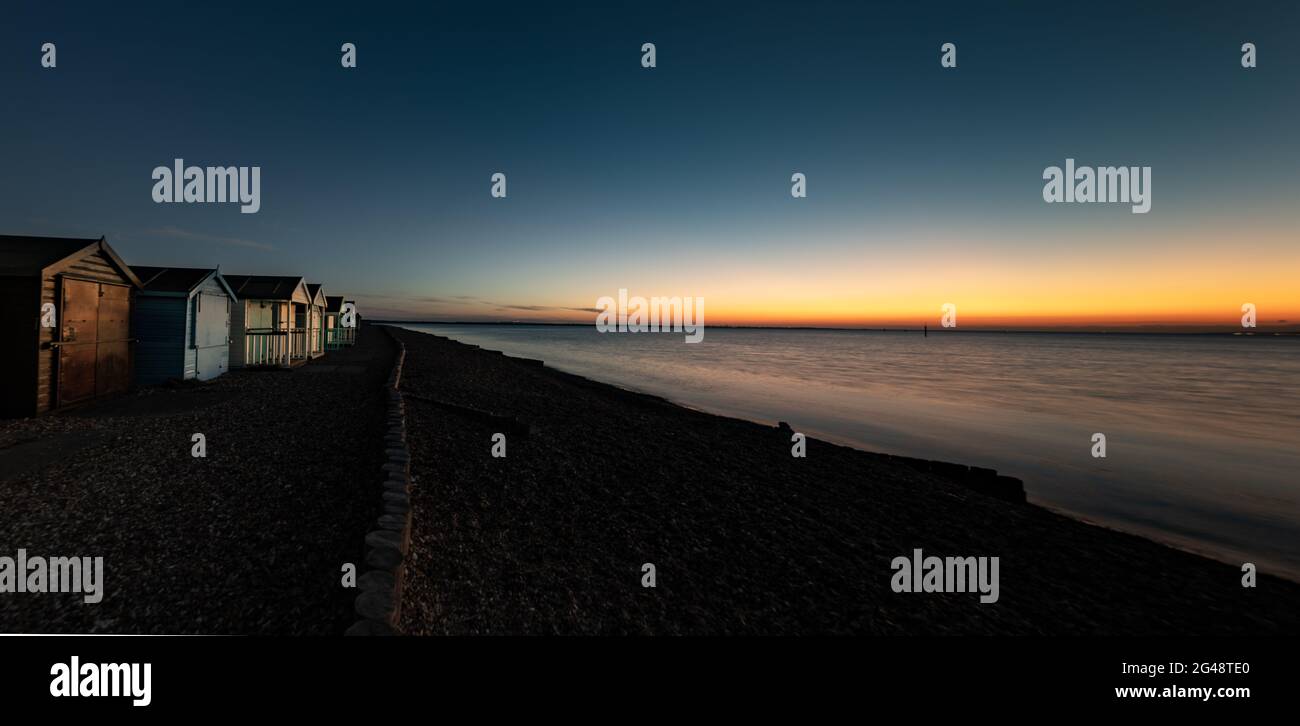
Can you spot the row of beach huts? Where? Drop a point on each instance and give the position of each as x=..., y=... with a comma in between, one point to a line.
x=90, y=326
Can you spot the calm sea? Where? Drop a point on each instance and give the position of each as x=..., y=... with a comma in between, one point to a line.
x=1203, y=433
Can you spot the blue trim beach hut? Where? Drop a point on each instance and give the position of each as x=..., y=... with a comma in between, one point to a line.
x=182, y=324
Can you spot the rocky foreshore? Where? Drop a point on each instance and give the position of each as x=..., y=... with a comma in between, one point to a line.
x=597, y=482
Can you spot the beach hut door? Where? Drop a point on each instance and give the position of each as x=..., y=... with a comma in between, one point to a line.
x=93, y=342
x=211, y=331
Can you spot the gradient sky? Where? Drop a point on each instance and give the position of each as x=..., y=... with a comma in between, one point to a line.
x=924, y=183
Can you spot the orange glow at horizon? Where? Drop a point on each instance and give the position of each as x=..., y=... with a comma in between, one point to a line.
x=1176, y=283
x=1179, y=277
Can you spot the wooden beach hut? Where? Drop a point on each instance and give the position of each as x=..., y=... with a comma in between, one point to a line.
x=336, y=335
x=268, y=321
x=316, y=320
x=71, y=299
x=181, y=320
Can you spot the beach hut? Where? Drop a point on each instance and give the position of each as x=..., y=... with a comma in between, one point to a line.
x=336, y=335
x=72, y=302
x=316, y=320
x=268, y=321
x=182, y=324
x=350, y=331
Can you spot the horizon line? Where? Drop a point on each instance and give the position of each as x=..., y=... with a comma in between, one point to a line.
x=1131, y=329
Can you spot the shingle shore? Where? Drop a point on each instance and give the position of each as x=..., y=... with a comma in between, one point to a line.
x=250, y=539
x=744, y=537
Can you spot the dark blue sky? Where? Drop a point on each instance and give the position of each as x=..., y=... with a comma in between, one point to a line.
x=375, y=180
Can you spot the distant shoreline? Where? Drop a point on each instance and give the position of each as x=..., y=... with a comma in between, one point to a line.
x=1257, y=333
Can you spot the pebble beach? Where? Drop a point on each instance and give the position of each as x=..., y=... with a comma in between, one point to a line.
x=249, y=539
x=745, y=538
x=553, y=537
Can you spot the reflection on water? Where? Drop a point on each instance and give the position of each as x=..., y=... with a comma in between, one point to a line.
x=1203, y=433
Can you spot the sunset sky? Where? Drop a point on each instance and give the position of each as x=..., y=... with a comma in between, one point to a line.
x=924, y=183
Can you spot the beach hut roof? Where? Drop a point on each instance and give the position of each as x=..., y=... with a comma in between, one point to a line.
x=179, y=280
x=26, y=256
x=314, y=292
x=333, y=303
x=263, y=287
